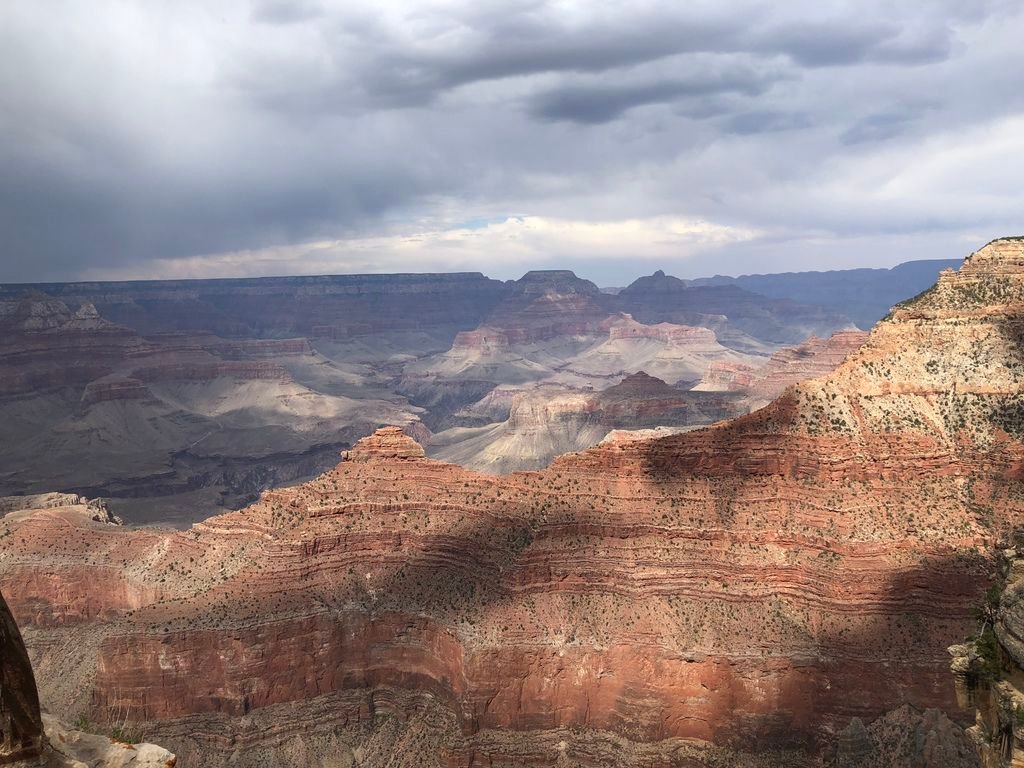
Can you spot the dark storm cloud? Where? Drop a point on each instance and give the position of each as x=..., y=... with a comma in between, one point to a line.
x=131, y=135
x=515, y=40
x=523, y=39
x=596, y=102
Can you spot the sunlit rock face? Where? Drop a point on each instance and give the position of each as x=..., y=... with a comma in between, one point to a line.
x=751, y=586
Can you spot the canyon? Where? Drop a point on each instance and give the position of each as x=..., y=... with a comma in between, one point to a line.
x=170, y=398
x=777, y=589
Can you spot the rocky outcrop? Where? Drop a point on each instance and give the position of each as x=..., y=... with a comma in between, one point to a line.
x=68, y=747
x=385, y=443
x=904, y=738
x=21, y=728
x=989, y=667
x=93, y=509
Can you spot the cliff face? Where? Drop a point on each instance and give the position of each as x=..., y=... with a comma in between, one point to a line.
x=756, y=585
x=21, y=727
x=989, y=667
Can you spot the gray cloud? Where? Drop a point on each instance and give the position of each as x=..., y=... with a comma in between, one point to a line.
x=286, y=11
x=877, y=127
x=598, y=102
x=766, y=121
x=130, y=136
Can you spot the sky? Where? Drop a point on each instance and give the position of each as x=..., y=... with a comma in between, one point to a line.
x=189, y=138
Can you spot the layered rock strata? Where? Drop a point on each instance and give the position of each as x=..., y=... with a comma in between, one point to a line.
x=90, y=406
x=549, y=421
x=788, y=366
x=754, y=585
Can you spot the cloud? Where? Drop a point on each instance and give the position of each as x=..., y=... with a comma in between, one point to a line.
x=766, y=121
x=878, y=127
x=596, y=101
x=513, y=245
x=286, y=11
x=144, y=139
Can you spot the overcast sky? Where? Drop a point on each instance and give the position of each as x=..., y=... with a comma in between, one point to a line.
x=190, y=138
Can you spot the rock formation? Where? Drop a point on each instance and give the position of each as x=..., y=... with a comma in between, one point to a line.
x=739, y=317
x=903, y=738
x=754, y=586
x=69, y=747
x=93, y=509
x=328, y=305
x=94, y=407
x=385, y=443
x=989, y=666
x=21, y=728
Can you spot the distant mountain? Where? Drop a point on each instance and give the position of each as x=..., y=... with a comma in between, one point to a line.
x=863, y=295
